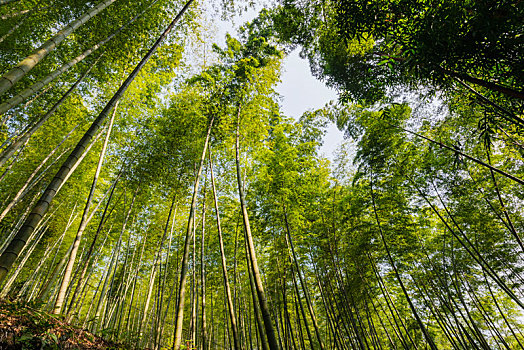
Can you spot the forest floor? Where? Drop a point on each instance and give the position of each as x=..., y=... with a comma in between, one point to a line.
x=25, y=327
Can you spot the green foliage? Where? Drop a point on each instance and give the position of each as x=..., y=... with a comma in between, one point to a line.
x=394, y=209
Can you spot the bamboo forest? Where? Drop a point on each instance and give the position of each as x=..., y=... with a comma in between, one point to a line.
x=154, y=193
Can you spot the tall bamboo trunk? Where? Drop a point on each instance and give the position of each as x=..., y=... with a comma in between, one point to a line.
x=25, y=186
x=503, y=112
x=34, y=241
x=123, y=287
x=303, y=283
x=231, y=308
x=484, y=83
x=135, y=275
x=11, y=253
x=510, y=225
x=83, y=223
x=87, y=317
x=473, y=159
x=92, y=246
x=371, y=295
x=299, y=317
x=31, y=129
x=52, y=275
x=15, y=160
x=469, y=247
x=203, y=275
x=15, y=27
x=264, y=309
x=79, y=299
x=8, y=237
x=104, y=279
x=256, y=308
x=103, y=304
x=179, y=309
x=173, y=273
x=33, y=89
x=428, y=338
x=36, y=275
x=156, y=324
x=24, y=12
x=327, y=310
x=391, y=306
x=298, y=300
x=108, y=306
x=62, y=262
x=194, y=292
x=21, y=69
x=3, y=2
x=485, y=314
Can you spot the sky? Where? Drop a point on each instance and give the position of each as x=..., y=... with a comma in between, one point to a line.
x=300, y=91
